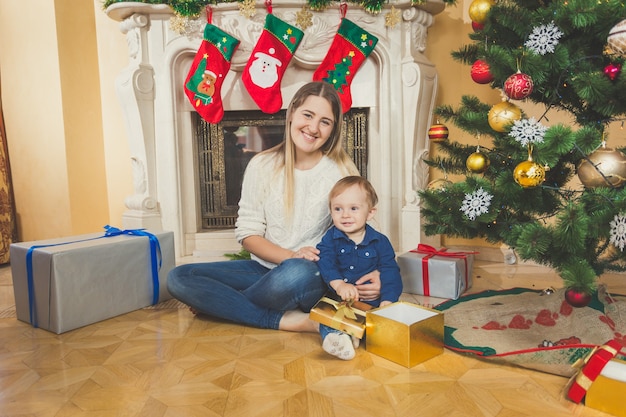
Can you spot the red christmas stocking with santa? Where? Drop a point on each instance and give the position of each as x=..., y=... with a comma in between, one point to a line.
x=272, y=53
x=206, y=75
x=351, y=45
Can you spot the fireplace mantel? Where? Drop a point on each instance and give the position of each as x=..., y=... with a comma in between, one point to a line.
x=397, y=83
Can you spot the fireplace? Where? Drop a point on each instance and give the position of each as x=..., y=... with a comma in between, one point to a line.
x=223, y=151
x=395, y=88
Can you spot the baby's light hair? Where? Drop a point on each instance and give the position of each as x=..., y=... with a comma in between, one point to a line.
x=351, y=180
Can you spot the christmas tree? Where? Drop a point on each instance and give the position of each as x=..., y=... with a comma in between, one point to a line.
x=554, y=192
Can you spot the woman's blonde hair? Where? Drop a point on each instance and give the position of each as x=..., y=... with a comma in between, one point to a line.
x=285, y=151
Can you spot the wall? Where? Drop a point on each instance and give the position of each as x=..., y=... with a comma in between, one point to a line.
x=55, y=115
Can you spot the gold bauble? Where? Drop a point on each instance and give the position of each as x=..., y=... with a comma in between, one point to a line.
x=440, y=184
x=503, y=115
x=616, y=40
x=529, y=174
x=477, y=162
x=478, y=10
x=610, y=162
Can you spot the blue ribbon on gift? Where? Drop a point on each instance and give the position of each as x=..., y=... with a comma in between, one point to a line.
x=155, y=258
x=155, y=254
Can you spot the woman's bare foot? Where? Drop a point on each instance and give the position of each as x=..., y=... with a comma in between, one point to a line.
x=298, y=321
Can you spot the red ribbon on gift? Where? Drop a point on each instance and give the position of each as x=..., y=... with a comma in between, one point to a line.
x=430, y=252
x=593, y=365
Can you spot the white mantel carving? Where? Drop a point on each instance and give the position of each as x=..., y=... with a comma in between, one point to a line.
x=396, y=82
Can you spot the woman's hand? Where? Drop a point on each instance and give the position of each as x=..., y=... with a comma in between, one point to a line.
x=271, y=252
x=307, y=252
x=369, y=286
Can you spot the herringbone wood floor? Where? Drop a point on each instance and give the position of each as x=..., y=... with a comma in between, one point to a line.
x=167, y=362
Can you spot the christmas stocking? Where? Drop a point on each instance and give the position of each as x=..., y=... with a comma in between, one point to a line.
x=206, y=75
x=349, y=49
x=264, y=71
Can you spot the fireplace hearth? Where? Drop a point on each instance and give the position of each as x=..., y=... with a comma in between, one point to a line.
x=395, y=87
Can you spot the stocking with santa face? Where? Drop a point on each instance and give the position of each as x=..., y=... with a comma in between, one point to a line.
x=268, y=61
x=208, y=69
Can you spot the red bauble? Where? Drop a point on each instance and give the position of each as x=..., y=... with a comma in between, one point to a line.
x=480, y=72
x=518, y=86
x=612, y=71
x=438, y=133
x=577, y=298
x=477, y=26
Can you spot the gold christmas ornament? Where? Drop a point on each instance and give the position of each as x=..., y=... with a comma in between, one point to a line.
x=247, y=8
x=503, y=115
x=477, y=162
x=616, y=39
x=605, y=167
x=304, y=18
x=478, y=10
x=179, y=24
x=529, y=174
x=392, y=18
x=440, y=184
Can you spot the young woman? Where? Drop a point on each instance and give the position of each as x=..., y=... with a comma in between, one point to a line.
x=283, y=214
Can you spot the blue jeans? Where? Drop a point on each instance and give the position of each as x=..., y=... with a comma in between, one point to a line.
x=246, y=292
x=326, y=330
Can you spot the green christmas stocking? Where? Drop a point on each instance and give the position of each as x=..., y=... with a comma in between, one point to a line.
x=206, y=75
x=268, y=61
x=349, y=49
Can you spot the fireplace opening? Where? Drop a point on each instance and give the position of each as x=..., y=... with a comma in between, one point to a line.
x=223, y=151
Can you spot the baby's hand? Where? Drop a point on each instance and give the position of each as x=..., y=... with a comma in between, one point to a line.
x=347, y=291
x=385, y=303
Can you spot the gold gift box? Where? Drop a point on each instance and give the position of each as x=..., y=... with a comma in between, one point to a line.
x=340, y=315
x=608, y=391
x=405, y=333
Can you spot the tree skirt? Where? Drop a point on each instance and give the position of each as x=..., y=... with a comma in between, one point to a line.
x=531, y=328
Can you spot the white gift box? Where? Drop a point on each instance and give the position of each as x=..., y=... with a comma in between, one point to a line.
x=79, y=280
x=430, y=272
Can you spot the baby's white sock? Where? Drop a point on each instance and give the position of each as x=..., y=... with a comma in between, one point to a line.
x=339, y=345
x=355, y=342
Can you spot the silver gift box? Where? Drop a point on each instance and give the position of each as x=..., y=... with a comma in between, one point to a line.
x=88, y=278
x=448, y=277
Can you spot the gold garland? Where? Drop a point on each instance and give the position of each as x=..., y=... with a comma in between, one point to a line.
x=193, y=8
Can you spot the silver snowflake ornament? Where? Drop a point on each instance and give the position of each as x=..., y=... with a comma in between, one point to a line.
x=618, y=231
x=544, y=39
x=527, y=131
x=476, y=203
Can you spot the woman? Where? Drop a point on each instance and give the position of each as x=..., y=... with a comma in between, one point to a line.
x=283, y=214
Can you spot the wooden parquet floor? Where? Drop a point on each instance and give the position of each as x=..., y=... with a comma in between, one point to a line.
x=167, y=362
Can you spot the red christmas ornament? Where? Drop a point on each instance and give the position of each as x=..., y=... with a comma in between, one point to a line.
x=480, y=72
x=477, y=26
x=577, y=298
x=518, y=86
x=438, y=132
x=612, y=71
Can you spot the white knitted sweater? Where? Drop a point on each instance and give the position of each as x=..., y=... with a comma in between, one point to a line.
x=262, y=211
